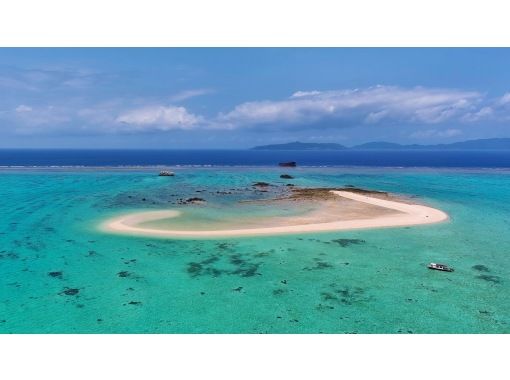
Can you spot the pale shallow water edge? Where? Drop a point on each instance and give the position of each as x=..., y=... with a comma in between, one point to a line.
x=60, y=275
x=400, y=215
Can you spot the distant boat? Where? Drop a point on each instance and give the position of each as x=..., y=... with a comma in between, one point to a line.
x=290, y=164
x=441, y=267
x=166, y=173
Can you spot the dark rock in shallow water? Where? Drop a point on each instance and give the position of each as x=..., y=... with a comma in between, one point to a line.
x=70, y=291
x=347, y=242
x=489, y=278
x=195, y=199
x=124, y=273
x=9, y=255
x=248, y=270
x=225, y=245
x=286, y=176
x=344, y=295
x=191, y=200
x=319, y=264
x=55, y=274
x=194, y=269
x=261, y=184
x=480, y=268
x=134, y=303
x=211, y=266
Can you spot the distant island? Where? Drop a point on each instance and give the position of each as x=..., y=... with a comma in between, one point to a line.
x=301, y=146
x=481, y=144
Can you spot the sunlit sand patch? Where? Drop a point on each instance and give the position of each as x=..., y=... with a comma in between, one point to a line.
x=372, y=212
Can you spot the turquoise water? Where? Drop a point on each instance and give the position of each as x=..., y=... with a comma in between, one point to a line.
x=372, y=281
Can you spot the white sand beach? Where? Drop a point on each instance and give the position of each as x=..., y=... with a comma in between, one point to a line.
x=400, y=214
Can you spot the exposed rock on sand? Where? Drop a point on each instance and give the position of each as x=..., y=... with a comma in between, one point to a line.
x=193, y=200
x=324, y=193
x=261, y=184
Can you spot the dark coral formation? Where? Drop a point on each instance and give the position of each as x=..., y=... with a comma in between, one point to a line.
x=70, y=291
x=324, y=193
x=319, y=264
x=344, y=295
x=8, y=255
x=261, y=184
x=195, y=199
x=347, y=242
x=480, y=268
x=192, y=200
x=57, y=274
x=489, y=278
x=217, y=265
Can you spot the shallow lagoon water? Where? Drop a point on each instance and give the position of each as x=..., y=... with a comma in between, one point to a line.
x=61, y=274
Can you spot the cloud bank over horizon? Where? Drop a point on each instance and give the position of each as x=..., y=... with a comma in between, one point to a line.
x=383, y=105
x=68, y=101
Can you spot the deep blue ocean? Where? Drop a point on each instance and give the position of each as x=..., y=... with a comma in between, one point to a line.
x=460, y=159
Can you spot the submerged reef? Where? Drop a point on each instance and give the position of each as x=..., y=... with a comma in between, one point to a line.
x=347, y=242
x=344, y=295
x=480, y=268
x=57, y=274
x=70, y=291
x=261, y=184
x=489, y=278
x=319, y=264
x=217, y=265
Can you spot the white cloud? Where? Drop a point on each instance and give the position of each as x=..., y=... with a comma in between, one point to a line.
x=432, y=110
x=482, y=113
x=188, y=94
x=359, y=106
x=300, y=94
x=23, y=108
x=375, y=117
x=16, y=84
x=430, y=133
x=498, y=110
x=159, y=117
x=41, y=119
x=504, y=100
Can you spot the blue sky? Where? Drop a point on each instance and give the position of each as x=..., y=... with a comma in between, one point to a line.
x=237, y=98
